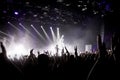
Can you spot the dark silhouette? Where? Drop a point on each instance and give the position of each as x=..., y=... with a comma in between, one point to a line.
x=102, y=65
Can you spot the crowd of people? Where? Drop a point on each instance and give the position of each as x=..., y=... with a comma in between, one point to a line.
x=102, y=65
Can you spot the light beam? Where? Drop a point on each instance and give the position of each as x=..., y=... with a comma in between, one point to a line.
x=58, y=34
x=62, y=37
x=6, y=34
x=53, y=34
x=37, y=32
x=46, y=34
x=14, y=26
x=102, y=33
x=26, y=29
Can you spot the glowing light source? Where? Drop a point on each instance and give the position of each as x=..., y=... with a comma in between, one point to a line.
x=58, y=44
x=17, y=49
x=16, y=13
x=21, y=45
x=18, y=46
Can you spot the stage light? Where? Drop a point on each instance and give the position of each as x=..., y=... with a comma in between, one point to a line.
x=21, y=45
x=16, y=13
x=18, y=45
x=17, y=49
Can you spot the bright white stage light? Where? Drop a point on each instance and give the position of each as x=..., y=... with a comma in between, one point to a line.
x=57, y=44
x=18, y=46
x=16, y=13
x=17, y=50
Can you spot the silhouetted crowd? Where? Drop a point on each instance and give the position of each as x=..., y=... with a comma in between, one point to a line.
x=102, y=65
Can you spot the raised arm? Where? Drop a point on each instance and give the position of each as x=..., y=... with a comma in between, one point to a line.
x=4, y=53
x=76, y=53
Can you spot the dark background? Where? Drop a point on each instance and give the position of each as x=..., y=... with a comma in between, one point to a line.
x=79, y=20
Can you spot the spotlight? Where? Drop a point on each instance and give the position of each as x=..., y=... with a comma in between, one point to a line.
x=16, y=13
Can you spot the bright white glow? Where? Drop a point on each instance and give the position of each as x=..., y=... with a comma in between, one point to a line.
x=61, y=45
x=16, y=13
x=17, y=50
x=18, y=46
x=88, y=48
x=58, y=44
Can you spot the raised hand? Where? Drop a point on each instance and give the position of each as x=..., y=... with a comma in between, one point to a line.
x=115, y=47
x=3, y=50
x=38, y=53
x=31, y=51
x=62, y=51
x=67, y=51
x=31, y=54
x=115, y=42
x=76, y=54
